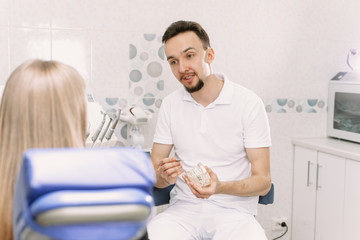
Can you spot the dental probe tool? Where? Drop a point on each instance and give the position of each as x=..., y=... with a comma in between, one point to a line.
x=106, y=129
x=98, y=130
x=113, y=126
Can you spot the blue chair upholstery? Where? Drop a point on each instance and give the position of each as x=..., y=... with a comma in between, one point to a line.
x=162, y=196
x=269, y=197
x=83, y=194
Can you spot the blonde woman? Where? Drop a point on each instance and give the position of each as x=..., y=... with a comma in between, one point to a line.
x=43, y=106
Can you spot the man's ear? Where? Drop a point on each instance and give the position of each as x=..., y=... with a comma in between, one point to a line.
x=210, y=55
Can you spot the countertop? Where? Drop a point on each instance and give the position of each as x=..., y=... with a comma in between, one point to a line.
x=341, y=148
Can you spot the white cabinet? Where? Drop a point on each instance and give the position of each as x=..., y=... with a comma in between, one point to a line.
x=304, y=197
x=330, y=197
x=317, y=209
x=352, y=200
x=326, y=194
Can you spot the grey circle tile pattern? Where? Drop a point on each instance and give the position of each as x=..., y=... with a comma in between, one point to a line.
x=135, y=75
x=132, y=51
x=158, y=103
x=144, y=56
x=291, y=103
x=138, y=91
x=312, y=102
x=161, y=53
x=160, y=85
x=123, y=131
x=111, y=101
x=149, y=99
x=282, y=101
x=321, y=104
x=149, y=37
x=154, y=69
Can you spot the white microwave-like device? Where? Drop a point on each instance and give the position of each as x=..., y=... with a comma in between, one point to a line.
x=343, y=120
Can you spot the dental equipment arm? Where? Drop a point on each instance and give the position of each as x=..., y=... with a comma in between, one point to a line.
x=106, y=129
x=111, y=131
x=98, y=130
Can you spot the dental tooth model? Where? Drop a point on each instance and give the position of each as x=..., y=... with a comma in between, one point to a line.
x=199, y=175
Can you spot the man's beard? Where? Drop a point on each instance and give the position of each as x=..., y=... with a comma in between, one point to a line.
x=196, y=88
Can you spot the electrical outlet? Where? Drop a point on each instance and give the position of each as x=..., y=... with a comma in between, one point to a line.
x=276, y=223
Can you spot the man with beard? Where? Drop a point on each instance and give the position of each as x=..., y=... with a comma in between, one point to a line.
x=220, y=124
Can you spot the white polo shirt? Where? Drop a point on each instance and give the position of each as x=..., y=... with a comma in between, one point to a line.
x=215, y=135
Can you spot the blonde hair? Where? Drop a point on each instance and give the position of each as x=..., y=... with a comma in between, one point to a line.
x=43, y=106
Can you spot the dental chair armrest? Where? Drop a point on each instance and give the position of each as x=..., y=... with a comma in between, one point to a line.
x=75, y=207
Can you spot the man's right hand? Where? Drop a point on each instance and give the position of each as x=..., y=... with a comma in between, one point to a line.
x=169, y=169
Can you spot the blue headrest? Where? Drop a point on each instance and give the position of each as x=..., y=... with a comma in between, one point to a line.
x=48, y=173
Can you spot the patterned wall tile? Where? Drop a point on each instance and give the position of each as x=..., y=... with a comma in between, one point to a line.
x=289, y=105
x=146, y=77
x=148, y=71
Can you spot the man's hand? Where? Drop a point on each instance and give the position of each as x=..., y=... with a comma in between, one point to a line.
x=204, y=192
x=169, y=169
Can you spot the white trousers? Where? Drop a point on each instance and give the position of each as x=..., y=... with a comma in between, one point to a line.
x=204, y=221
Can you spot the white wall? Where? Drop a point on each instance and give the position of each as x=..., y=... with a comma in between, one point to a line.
x=283, y=49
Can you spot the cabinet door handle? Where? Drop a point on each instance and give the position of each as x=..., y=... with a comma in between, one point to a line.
x=317, y=176
x=308, y=183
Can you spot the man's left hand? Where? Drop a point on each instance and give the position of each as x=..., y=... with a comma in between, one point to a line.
x=204, y=192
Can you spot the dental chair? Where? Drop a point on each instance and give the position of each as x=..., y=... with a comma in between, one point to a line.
x=162, y=196
x=73, y=194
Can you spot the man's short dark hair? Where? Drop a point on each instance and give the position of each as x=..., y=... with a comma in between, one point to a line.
x=186, y=26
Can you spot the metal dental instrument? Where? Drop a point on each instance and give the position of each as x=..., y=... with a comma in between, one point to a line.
x=106, y=129
x=113, y=126
x=88, y=130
